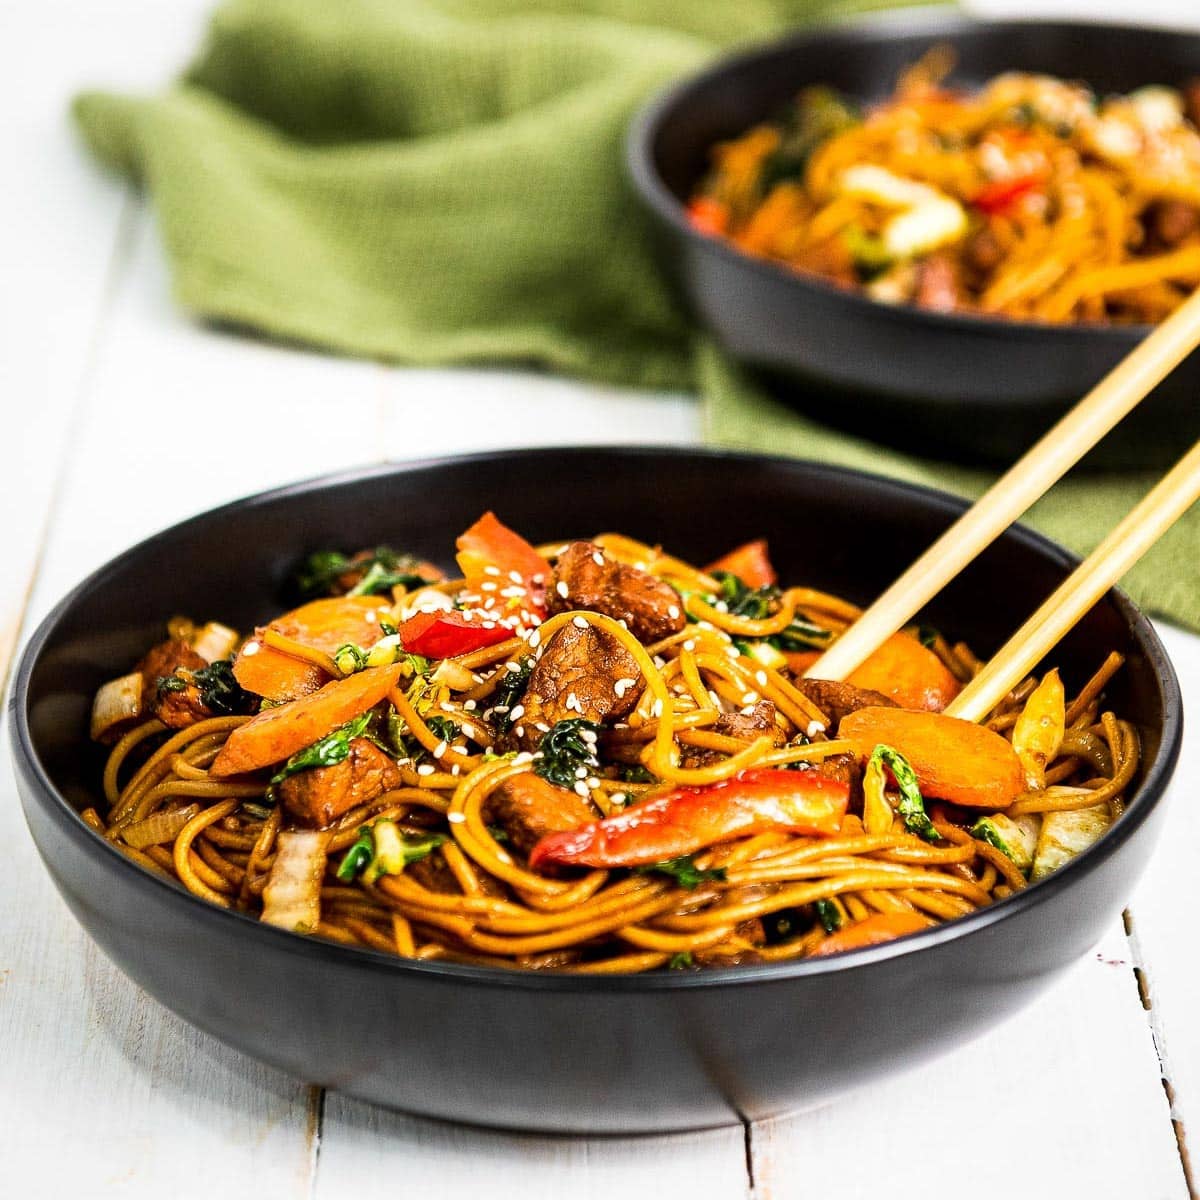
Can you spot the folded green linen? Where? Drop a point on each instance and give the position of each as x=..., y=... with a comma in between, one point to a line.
x=434, y=181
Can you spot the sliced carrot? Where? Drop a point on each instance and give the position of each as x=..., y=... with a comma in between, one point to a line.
x=909, y=673
x=750, y=563
x=277, y=733
x=324, y=625
x=870, y=931
x=799, y=661
x=488, y=543
x=954, y=760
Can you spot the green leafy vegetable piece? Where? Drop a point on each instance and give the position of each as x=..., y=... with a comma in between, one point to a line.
x=985, y=830
x=564, y=750
x=332, y=749
x=356, y=858
x=758, y=604
x=927, y=636
x=634, y=773
x=219, y=690
x=871, y=256
x=912, y=804
x=828, y=914
x=682, y=961
x=684, y=871
x=443, y=727
x=510, y=689
x=350, y=658
x=818, y=113
x=382, y=570
x=392, y=851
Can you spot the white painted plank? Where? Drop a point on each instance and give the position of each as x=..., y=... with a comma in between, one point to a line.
x=363, y=1146
x=1063, y=1100
x=457, y=410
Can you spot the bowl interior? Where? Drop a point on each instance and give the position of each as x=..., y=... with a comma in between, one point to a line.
x=839, y=530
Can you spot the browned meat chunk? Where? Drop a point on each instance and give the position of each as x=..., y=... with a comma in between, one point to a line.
x=585, y=577
x=745, y=726
x=983, y=251
x=837, y=700
x=937, y=284
x=319, y=796
x=527, y=807
x=433, y=874
x=582, y=673
x=1172, y=221
x=748, y=931
x=181, y=706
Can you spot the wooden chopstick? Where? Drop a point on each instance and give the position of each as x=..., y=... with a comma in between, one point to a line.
x=1162, y=506
x=1125, y=386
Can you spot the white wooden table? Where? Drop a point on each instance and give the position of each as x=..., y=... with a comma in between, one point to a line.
x=104, y=1093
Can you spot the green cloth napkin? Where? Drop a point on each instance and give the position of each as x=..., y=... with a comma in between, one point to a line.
x=435, y=181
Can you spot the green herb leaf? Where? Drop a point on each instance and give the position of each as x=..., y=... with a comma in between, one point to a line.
x=356, y=858
x=985, y=830
x=684, y=871
x=510, y=689
x=634, y=773
x=912, y=804
x=393, y=851
x=382, y=570
x=332, y=749
x=564, y=750
x=828, y=914
x=219, y=691
x=682, y=961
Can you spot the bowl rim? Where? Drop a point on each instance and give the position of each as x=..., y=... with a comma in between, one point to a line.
x=153, y=887
x=850, y=34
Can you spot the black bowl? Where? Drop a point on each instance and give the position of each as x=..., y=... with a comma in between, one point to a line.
x=557, y=1052
x=968, y=386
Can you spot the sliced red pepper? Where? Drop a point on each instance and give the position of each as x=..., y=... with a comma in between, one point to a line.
x=708, y=216
x=997, y=198
x=490, y=551
x=449, y=634
x=750, y=563
x=688, y=819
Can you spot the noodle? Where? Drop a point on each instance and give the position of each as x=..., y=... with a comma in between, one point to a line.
x=470, y=894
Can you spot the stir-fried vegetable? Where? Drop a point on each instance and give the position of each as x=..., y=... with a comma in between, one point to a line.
x=332, y=749
x=489, y=552
x=277, y=733
x=510, y=689
x=219, y=689
x=159, y=828
x=906, y=671
x=117, y=703
x=953, y=760
x=911, y=806
x=688, y=819
x=1040, y=728
x=449, y=634
x=381, y=849
x=829, y=915
x=870, y=931
x=1067, y=834
x=570, y=747
x=328, y=572
x=292, y=897
x=751, y=564
x=684, y=871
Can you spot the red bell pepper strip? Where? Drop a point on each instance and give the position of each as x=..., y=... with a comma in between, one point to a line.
x=750, y=563
x=999, y=197
x=688, y=819
x=708, y=216
x=490, y=549
x=870, y=931
x=449, y=634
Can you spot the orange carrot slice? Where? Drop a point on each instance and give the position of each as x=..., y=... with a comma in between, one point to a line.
x=324, y=625
x=954, y=760
x=488, y=543
x=870, y=931
x=750, y=563
x=909, y=673
x=277, y=733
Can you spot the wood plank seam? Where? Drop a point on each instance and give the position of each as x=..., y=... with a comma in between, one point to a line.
x=1158, y=1034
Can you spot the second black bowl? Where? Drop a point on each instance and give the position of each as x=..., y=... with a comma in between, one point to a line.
x=968, y=386
x=621, y=1054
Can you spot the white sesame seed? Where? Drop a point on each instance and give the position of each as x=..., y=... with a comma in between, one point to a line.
x=721, y=606
x=534, y=639
x=490, y=570
x=489, y=624
x=456, y=769
x=690, y=644
x=588, y=735
x=750, y=698
x=439, y=750
x=251, y=648
x=656, y=709
x=469, y=705
x=541, y=726
x=488, y=586
x=622, y=686
x=705, y=625
x=468, y=730
x=659, y=661
x=579, y=622
x=760, y=677
x=456, y=818
x=517, y=713
x=581, y=772
x=516, y=577
x=673, y=612
x=581, y=789
x=523, y=757
x=512, y=593
x=514, y=667
x=598, y=558
x=561, y=588
x=748, y=711
x=618, y=798
x=425, y=769
x=503, y=856
x=573, y=702
x=478, y=679
x=593, y=782
x=520, y=731
x=624, y=624
x=814, y=727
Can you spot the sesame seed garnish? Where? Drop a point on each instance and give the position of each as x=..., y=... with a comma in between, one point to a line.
x=561, y=588
x=534, y=639
x=588, y=735
x=251, y=648
x=760, y=677
x=456, y=769
x=593, y=782
x=456, y=818
x=581, y=789
x=468, y=731
x=573, y=703
x=673, y=612
x=618, y=798
x=514, y=667
x=469, y=705
x=425, y=769
x=624, y=624
x=439, y=749
x=690, y=644
x=748, y=711
x=541, y=727
x=656, y=710
x=512, y=593
x=814, y=727
x=579, y=622
x=581, y=772
x=750, y=698
x=659, y=661
x=517, y=713
x=490, y=570
x=524, y=757
x=622, y=686
x=503, y=856
x=488, y=586
x=598, y=558
x=516, y=577
x=489, y=624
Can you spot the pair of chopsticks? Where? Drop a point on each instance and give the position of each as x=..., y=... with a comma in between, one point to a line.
x=1120, y=391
